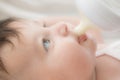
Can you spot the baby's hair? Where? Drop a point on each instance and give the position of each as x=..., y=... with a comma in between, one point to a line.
x=5, y=33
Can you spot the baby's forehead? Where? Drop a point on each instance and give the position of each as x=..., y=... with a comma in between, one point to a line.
x=23, y=27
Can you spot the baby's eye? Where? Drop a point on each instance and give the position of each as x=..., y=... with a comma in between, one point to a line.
x=46, y=44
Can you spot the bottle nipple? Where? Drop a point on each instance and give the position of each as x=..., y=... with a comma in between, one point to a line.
x=82, y=27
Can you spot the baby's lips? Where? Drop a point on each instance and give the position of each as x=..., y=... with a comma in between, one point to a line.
x=82, y=38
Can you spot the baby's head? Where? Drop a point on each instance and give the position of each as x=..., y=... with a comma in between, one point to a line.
x=31, y=51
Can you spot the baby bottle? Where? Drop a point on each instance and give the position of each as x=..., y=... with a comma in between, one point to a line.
x=101, y=13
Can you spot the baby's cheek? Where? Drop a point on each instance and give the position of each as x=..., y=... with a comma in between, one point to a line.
x=69, y=60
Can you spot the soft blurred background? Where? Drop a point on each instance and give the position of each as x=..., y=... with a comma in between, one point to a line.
x=37, y=8
x=34, y=9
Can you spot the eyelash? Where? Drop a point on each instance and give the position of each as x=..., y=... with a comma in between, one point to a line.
x=46, y=47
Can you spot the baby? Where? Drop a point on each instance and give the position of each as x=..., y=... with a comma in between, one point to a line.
x=49, y=50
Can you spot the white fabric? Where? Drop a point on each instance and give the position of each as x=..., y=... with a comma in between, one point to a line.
x=10, y=9
x=112, y=50
x=37, y=8
x=104, y=13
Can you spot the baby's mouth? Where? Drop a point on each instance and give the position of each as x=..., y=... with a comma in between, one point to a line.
x=82, y=38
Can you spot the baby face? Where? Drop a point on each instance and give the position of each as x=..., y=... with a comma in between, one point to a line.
x=49, y=53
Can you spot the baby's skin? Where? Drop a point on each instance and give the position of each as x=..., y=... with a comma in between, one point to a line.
x=51, y=51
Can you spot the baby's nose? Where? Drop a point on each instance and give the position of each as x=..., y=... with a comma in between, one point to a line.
x=62, y=29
